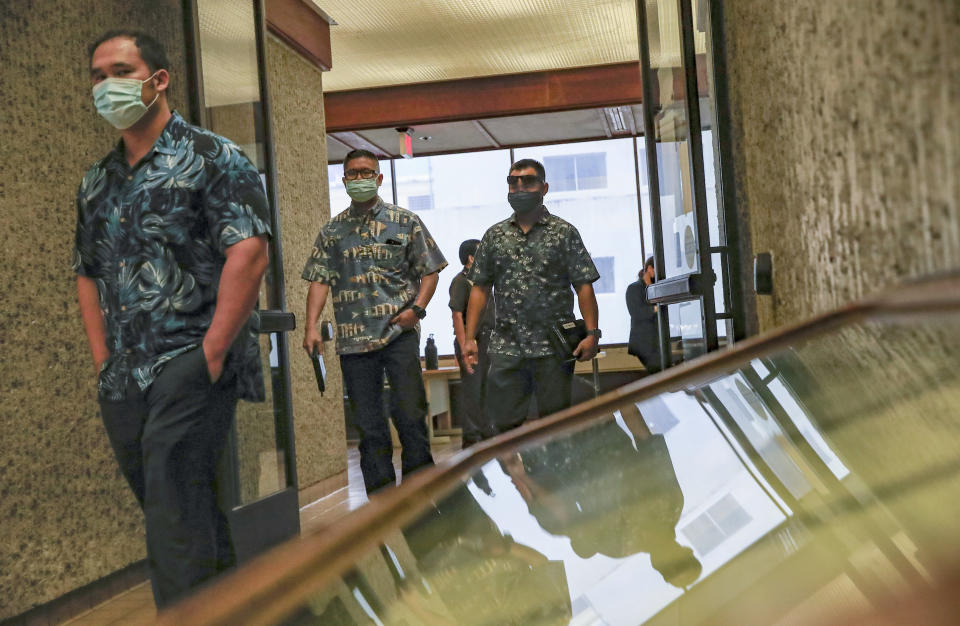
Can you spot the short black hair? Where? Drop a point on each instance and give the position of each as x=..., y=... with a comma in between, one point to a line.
x=151, y=50
x=468, y=249
x=360, y=153
x=649, y=263
x=523, y=164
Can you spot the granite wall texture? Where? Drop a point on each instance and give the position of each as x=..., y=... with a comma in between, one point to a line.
x=300, y=144
x=847, y=144
x=68, y=518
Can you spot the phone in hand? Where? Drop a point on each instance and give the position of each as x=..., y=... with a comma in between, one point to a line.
x=319, y=370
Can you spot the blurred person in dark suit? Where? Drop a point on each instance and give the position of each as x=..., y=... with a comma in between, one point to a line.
x=644, y=342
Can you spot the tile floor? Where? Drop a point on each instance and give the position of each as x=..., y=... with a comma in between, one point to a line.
x=134, y=607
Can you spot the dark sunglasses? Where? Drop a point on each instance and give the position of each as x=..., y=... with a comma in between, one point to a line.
x=528, y=180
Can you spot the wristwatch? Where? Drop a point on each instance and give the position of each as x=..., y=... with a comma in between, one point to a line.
x=420, y=312
x=595, y=332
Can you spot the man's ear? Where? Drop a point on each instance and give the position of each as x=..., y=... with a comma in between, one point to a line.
x=546, y=186
x=162, y=80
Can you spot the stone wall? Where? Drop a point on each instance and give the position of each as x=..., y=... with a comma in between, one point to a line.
x=847, y=144
x=300, y=144
x=68, y=517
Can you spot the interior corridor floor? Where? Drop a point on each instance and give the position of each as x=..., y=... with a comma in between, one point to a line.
x=135, y=606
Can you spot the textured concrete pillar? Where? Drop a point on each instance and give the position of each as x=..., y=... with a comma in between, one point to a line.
x=300, y=144
x=847, y=144
x=68, y=518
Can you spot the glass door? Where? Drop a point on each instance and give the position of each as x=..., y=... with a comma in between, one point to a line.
x=694, y=292
x=228, y=89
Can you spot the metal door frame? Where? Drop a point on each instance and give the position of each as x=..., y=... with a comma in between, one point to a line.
x=271, y=519
x=695, y=286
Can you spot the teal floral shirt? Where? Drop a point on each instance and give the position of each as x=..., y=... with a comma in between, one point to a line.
x=153, y=238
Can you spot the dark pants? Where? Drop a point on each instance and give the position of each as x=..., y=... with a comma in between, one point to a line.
x=512, y=381
x=474, y=422
x=363, y=378
x=168, y=441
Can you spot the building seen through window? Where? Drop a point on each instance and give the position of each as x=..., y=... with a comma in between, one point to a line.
x=577, y=171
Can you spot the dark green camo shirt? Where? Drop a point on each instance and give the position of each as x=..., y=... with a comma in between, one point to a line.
x=531, y=274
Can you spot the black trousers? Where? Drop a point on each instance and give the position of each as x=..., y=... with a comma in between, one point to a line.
x=168, y=441
x=474, y=422
x=513, y=381
x=363, y=378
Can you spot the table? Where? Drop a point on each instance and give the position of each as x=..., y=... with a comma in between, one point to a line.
x=436, y=383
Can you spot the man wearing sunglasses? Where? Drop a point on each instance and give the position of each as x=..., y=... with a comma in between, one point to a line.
x=531, y=260
x=381, y=264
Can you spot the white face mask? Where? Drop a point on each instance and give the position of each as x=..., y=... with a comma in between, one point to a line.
x=119, y=100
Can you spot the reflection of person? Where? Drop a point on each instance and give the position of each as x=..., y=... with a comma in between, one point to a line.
x=644, y=334
x=171, y=246
x=607, y=496
x=471, y=383
x=531, y=260
x=483, y=576
x=382, y=264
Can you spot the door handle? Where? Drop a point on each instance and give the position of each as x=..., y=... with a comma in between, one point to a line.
x=275, y=321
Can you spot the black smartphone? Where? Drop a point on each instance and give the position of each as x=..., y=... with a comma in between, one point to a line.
x=319, y=370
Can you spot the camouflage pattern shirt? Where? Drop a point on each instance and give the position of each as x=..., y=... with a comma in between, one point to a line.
x=373, y=261
x=153, y=237
x=531, y=274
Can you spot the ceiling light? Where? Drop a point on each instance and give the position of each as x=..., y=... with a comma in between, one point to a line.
x=618, y=125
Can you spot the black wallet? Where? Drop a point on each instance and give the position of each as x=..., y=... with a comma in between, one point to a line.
x=567, y=336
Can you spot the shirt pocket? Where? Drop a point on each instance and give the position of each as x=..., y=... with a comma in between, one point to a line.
x=388, y=256
x=550, y=257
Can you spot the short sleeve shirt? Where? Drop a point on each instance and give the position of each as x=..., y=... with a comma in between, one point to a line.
x=373, y=261
x=460, y=288
x=153, y=238
x=531, y=274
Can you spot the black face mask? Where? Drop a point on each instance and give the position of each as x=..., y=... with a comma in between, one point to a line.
x=524, y=202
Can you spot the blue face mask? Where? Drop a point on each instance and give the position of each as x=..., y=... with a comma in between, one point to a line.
x=119, y=101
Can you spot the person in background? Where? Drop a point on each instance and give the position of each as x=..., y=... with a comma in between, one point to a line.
x=382, y=265
x=644, y=342
x=170, y=250
x=475, y=427
x=531, y=259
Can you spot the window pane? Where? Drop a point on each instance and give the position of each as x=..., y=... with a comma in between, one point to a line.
x=670, y=130
x=686, y=324
x=461, y=196
x=591, y=171
x=420, y=203
x=605, y=265
x=561, y=172
x=606, y=216
x=339, y=200
x=647, y=216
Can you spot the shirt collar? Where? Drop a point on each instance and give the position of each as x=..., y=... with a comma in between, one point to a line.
x=163, y=144
x=373, y=211
x=542, y=220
